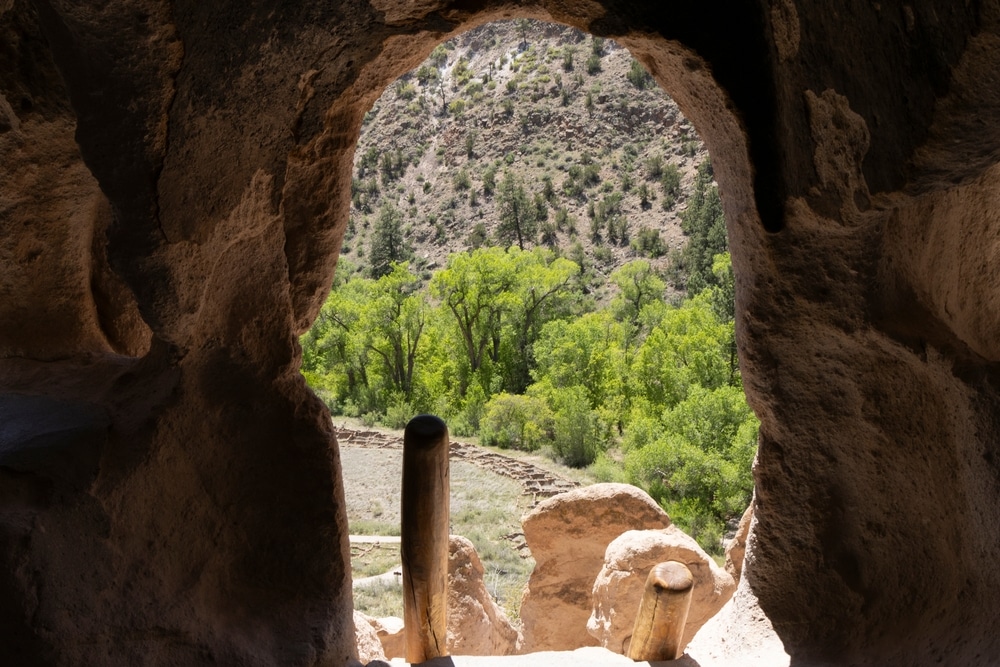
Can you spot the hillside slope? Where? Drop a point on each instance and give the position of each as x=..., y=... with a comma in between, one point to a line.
x=574, y=121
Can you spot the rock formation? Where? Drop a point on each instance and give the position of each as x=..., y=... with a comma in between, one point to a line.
x=568, y=535
x=390, y=633
x=736, y=548
x=368, y=640
x=174, y=185
x=619, y=586
x=476, y=625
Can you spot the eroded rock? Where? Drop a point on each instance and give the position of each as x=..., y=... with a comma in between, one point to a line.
x=856, y=156
x=737, y=547
x=476, y=625
x=369, y=645
x=568, y=535
x=619, y=586
x=390, y=632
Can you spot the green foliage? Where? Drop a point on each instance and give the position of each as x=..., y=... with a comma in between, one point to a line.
x=392, y=166
x=477, y=237
x=439, y=56
x=517, y=213
x=704, y=223
x=470, y=144
x=406, y=90
x=513, y=421
x=462, y=180
x=427, y=74
x=638, y=76
x=576, y=427
x=670, y=181
x=649, y=243
x=654, y=168
x=461, y=72
x=498, y=344
x=593, y=65
x=638, y=286
x=567, y=59
x=699, y=469
x=388, y=244
x=489, y=180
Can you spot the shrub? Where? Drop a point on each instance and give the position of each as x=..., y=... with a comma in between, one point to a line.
x=593, y=64
x=654, y=167
x=462, y=180
x=670, y=181
x=567, y=61
x=439, y=56
x=649, y=243
x=638, y=76
x=426, y=74
x=575, y=427
x=477, y=237
x=511, y=421
x=489, y=180
x=398, y=414
x=606, y=469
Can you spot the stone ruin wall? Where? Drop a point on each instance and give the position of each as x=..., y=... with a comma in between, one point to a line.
x=173, y=192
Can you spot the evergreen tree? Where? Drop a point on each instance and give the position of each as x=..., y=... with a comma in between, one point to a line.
x=518, y=214
x=388, y=244
x=705, y=225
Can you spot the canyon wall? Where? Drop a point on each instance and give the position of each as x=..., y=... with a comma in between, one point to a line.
x=174, y=185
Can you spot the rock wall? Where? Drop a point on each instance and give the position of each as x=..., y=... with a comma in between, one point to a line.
x=173, y=190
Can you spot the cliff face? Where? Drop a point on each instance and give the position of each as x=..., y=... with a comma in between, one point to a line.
x=175, y=184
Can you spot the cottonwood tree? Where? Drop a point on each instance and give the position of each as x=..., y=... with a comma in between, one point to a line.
x=394, y=319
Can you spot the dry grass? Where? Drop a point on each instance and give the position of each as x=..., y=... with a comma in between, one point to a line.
x=485, y=507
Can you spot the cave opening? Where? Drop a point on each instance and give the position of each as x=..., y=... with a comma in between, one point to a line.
x=541, y=173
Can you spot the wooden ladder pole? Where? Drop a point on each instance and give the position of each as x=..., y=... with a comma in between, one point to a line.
x=663, y=611
x=425, y=519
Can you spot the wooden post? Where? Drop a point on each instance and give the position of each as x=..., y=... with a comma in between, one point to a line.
x=659, y=626
x=425, y=527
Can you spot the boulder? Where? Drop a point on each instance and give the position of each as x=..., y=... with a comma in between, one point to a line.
x=737, y=547
x=568, y=535
x=476, y=625
x=620, y=584
x=390, y=633
x=369, y=646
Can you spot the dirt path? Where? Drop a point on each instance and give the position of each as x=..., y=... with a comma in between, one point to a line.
x=537, y=482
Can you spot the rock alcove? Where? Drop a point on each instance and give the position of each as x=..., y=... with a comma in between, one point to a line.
x=173, y=197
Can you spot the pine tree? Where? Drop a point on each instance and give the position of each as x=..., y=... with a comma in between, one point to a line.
x=705, y=225
x=388, y=244
x=518, y=215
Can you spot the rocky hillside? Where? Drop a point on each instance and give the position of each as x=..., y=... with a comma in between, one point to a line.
x=604, y=158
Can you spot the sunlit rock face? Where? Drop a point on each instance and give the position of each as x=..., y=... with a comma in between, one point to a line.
x=173, y=191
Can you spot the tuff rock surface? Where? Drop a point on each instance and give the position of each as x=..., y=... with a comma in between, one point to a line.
x=476, y=625
x=367, y=637
x=173, y=192
x=620, y=584
x=736, y=548
x=568, y=535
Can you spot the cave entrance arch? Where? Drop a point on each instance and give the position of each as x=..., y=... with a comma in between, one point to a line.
x=666, y=54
